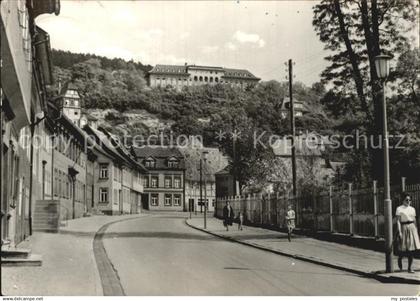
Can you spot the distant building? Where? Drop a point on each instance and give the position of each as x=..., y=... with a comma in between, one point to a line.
x=164, y=184
x=71, y=105
x=214, y=162
x=299, y=107
x=192, y=75
x=225, y=183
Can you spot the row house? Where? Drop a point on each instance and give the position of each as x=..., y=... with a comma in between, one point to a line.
x=26, y=71
x=63, y=171
x=164, y=183
x=117, y=176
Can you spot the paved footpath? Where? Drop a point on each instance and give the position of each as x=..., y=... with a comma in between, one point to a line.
x=68, y=262
x=365, y=262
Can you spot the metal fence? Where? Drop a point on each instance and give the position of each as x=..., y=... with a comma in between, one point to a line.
x=346, y=210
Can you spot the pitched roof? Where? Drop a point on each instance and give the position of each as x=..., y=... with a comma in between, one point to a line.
x=156, y=152
x=161, y=154
x=298, y=105
x=183, y=70
x=169, y=69
x=239, y=73
x=68, y=86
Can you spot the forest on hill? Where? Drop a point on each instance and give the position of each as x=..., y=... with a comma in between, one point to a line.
x=206, y=110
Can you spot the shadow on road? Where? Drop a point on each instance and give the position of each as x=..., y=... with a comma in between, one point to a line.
x=154, y=234
x=294, y=272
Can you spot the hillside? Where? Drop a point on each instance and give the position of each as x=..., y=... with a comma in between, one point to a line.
x=120, y=85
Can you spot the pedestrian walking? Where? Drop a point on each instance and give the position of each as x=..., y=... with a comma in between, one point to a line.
x=240, y=220
x=407, y=236
x=228, y=216
x=290, y=221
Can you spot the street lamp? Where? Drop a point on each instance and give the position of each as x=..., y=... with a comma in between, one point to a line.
x=203, y=156
x=382, y=71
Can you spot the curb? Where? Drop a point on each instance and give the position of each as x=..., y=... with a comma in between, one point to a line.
x=314, y=260
x=110, y=280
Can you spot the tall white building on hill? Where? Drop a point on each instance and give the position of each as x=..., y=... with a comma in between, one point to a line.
x=179, y=76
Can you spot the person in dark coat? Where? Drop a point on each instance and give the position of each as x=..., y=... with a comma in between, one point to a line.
x=228, y=215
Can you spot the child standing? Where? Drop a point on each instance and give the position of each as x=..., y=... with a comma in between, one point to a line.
x=241, y=220
x=290, y=221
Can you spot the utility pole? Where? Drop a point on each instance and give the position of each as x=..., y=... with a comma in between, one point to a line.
x=292, y=126
x=201, y=183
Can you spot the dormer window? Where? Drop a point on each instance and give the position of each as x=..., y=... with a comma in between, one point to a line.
x=173, y=162
x=150, y=162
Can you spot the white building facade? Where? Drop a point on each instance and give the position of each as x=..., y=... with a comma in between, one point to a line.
x=178, y=76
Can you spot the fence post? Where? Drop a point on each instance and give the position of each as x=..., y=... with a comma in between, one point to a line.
x=246, y=206
x=331, y=210
x=261, y=207
x=375, y=207
x=277, y=208
x=315, y=217
x=252, y=206
x=269, y=209
x=350, y=209
x=403, y=188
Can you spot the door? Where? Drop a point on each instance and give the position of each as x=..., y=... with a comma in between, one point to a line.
x=145, y=201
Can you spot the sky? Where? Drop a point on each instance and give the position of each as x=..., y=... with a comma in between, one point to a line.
x=256, y=35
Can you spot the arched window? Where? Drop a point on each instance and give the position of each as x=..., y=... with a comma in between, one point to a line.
x=206, y=79
x=201, y=78
x=216, y=79
x=211, y=79
x=195, y=78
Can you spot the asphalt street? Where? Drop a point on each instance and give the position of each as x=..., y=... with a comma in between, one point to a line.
x=161, y=255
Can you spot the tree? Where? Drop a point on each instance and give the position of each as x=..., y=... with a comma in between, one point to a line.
x=407, y=72
x=356, y=31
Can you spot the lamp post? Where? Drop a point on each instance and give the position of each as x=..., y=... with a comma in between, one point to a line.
x=203, y=157
x=382, y=71
x=73, y=173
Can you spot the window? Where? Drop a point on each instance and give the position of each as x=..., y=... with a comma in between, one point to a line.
x=76, y=113
x=168, y=200
x=173, y=163
x=211, y=79
x=103, y=172
x=103, y=195
x=150, y=163
x=168, y=181
x=177, y=200
x=201, y=78
x=154, y=200
x=146, y=182
x=206, y=79
x=177, y=182
x=216, y=79
x=154, y=182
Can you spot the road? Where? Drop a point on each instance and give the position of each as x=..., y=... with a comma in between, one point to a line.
x=161, y=255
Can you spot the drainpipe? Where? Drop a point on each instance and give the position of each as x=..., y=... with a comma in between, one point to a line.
x=2, y=214
x=43, y=179
x=31, y=169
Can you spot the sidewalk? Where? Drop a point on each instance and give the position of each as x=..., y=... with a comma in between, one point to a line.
x=68, y=262
x=360, y=261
